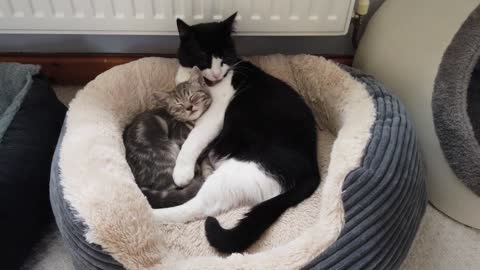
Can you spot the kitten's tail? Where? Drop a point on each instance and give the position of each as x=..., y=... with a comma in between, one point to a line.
x=258, y=220
x=172, y=197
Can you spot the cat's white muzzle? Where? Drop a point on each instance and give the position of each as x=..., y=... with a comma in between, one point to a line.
x=216, y=72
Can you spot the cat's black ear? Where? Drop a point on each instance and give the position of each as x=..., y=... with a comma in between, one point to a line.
x=229, y=23
x=183, y=28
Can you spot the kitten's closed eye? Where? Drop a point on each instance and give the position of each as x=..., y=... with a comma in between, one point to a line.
x=196, y=99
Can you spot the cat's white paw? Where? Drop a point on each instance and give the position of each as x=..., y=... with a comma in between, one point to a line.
x=164, y=216
x=170, y=215
x=183, y=174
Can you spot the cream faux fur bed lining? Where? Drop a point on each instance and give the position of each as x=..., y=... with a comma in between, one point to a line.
x=100, y=187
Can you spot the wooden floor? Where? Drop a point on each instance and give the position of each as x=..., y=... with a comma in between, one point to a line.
x=78, y=69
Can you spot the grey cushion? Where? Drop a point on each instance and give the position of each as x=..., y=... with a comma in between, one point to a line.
x=384, y=199
x=15, y=82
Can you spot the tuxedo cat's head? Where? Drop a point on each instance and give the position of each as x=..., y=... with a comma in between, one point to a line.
x=209, y=46
x=190, y=99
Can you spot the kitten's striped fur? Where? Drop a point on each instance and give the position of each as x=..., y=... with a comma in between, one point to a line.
x=154, y=138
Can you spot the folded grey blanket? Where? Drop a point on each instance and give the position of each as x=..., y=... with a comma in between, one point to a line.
x=15, y=81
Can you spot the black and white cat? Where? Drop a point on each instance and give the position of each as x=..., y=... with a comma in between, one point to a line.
x=259, y=128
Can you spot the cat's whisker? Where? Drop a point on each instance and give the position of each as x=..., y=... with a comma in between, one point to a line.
x=236, y=64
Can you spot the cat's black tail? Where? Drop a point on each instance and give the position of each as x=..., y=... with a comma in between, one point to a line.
x=258, y=220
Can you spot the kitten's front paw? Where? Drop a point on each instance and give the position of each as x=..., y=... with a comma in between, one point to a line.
x=207, y=169
x=183, y=174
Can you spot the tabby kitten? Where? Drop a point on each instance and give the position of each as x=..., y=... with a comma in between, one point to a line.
x=154, y=138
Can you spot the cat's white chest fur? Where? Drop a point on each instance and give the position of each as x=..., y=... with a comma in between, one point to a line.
x=183, y=74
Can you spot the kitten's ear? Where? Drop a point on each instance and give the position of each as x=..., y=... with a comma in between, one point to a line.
x=183, y=28
x=196, y=77
x=229, y=23
x=196, y=70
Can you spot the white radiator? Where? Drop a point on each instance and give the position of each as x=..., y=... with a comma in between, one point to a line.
x=255, y=17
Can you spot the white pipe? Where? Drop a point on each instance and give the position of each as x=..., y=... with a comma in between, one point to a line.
x=362, y=7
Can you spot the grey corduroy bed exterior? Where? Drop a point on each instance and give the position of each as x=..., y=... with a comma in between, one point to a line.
x=385, y=198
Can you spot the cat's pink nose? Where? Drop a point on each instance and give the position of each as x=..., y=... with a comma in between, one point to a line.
x=217, y=74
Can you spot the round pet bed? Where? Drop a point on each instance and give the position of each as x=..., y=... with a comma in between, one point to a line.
x=364, y=214
x=442, y=90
